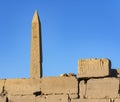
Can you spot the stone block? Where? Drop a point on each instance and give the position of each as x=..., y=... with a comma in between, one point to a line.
x=52, y=98
x=22, y=86
x=102, y=88
x=90, y=100
x=59, y=85
x=19, y=98
x=3, y=99
x=82, y=89
x=93, y=68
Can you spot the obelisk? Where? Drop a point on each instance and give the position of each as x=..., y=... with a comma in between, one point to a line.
x=36, y=48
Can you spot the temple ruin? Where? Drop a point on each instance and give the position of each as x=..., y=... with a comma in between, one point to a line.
x=96, y=80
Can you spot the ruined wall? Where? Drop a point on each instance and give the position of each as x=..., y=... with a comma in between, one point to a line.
x=95, y=82
x=67, y=87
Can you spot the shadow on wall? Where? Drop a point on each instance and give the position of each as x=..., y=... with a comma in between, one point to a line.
x=114, y=73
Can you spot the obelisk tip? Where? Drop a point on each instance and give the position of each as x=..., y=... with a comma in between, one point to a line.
x=35, y=17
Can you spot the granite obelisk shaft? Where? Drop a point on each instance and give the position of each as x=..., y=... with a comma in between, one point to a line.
x=36, y=48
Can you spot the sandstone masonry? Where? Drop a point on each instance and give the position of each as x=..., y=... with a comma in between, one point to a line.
x=96, y=80
x=93, y=68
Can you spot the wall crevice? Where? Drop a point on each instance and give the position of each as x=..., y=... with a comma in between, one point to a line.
x=119, y=87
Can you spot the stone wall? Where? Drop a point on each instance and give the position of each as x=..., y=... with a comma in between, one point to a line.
x=95, y=82
x=67, y=87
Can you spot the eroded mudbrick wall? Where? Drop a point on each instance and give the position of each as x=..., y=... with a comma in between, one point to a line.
x=95, y=82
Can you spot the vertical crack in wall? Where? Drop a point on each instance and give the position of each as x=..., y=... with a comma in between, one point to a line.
x=7, y=99
x=82, y=88
x=112, y=100
x=85, y=96
x=69, y=99
x=3, y=92
x=119, y=87
x=78, y=88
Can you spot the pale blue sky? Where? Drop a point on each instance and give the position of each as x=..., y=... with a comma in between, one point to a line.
x=71, y=30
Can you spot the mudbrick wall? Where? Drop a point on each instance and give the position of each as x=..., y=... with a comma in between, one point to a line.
x=95, y=82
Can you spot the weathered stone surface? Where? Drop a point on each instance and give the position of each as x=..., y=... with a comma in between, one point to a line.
x=59, y=85
x=82, y=89
x=102, y=88
x=36, y=48
x=22, y=86
x=90, y=100
x=26, y=98
x=2, y=82
x=93, y=68
x=52, y=98
x=74, y=96
x=117, y=100
x=3, y=99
